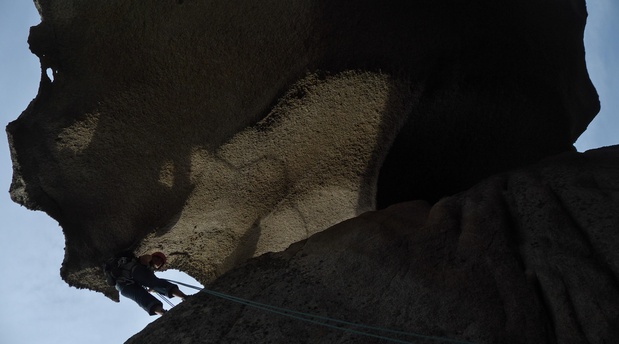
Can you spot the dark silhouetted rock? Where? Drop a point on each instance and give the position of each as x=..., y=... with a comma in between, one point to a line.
x=524, y=257
x=220, y=130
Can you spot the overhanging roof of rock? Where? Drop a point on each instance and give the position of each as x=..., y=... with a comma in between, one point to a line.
x=203, y=128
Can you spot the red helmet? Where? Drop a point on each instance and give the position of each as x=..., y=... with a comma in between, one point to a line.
x=161, y=256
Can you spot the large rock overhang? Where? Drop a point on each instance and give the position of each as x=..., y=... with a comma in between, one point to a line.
x=203, y=128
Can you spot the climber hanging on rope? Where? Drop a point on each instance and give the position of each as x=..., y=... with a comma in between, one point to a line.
x=134, y=277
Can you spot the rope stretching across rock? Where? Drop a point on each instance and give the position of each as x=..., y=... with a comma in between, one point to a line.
x=324, y=321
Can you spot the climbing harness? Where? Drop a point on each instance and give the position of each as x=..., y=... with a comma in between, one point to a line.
x=325, y=321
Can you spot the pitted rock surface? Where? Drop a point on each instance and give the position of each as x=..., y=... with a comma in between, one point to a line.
x=523, y=257
x=217, y=131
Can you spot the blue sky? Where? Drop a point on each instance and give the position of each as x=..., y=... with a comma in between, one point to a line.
x=38, y=307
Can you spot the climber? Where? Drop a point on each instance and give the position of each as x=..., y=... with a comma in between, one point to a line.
x=132, y=276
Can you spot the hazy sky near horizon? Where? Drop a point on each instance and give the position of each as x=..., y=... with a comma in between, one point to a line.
x=38, y=307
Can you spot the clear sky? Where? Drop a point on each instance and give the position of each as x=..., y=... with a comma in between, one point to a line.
x=38, y=307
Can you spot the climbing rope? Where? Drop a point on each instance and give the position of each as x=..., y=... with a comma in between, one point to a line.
x=324, y=321
x=161, y=296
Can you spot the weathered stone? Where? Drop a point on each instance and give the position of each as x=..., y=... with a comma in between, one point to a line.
x=221, y=130
x=524, y=257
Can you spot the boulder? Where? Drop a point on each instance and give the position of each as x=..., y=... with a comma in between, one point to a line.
x=217, y=131
x=527, y=256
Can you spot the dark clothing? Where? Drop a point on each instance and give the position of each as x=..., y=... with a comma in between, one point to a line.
x=137, y=278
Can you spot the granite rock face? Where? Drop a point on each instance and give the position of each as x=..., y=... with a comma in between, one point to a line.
x=528, y=256
x=217, y=131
